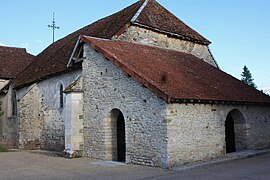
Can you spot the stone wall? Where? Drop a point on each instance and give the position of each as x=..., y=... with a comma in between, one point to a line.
x=30, y=117
x=197, y=132
x=258, y=121
x=160, y=134
x=41, y=116
x=106, y=90
x=8, y=122
x=148, y=37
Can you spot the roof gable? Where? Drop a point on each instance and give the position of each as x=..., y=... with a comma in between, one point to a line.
x=176, y=76
x=154, y=16
x=54, y=59
x=12, y=61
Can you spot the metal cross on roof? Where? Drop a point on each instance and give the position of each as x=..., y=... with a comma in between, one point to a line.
x=53, y=26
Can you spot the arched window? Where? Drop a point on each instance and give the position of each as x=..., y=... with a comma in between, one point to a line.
x=61, y=96
x=14, y=103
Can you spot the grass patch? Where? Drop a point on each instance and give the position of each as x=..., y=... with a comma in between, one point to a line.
x=3, y=149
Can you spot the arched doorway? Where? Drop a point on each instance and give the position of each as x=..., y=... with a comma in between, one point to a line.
x=121, y=140
x=229, y=134
x=115, y=136
x=235, y=132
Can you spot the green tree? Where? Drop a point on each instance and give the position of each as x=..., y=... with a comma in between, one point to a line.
x=247, y=77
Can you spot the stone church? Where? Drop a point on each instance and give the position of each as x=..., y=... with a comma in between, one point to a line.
x=139, y=86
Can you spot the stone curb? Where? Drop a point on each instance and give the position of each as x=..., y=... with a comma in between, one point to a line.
x=229, y=157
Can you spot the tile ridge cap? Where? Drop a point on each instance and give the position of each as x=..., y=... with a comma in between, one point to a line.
x=137, y=14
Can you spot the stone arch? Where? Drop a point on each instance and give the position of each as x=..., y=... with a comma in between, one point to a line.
x=235, y=131
x=115, y=134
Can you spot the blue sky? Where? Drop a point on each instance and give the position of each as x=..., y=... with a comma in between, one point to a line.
x=238, y=29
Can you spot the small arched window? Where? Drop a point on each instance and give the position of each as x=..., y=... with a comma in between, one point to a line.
x=61, y=96
x=14, y=103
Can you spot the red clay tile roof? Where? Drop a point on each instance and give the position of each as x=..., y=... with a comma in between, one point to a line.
x=54, y=59
x=176, y=76
x=156, y=17
x=13, y=61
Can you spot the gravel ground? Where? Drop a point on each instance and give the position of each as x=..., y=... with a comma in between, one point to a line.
x=30, y=166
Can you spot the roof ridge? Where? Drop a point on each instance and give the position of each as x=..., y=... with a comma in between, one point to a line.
x=137, y=14
x=154, y=16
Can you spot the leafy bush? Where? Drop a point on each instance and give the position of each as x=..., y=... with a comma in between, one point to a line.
x=3, y=149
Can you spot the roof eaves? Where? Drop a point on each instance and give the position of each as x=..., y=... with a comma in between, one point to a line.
x=122, y=30
x=172, y=34
x=7, y=77
x=220, y=102
x=45, y=77
x=73, y=52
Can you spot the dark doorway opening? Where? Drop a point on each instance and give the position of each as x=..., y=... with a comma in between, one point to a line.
x=229, y=135
x=115, y=136
x=121, y=140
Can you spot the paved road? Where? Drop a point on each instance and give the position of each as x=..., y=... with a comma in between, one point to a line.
x=30, y=166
